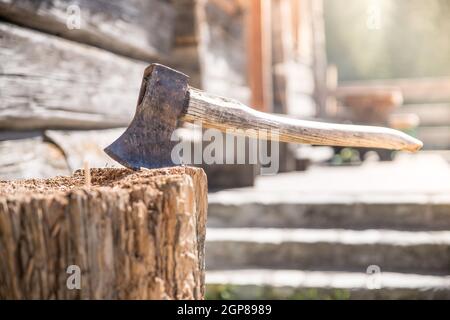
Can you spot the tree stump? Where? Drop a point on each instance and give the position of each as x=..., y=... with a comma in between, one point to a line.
x=133, y=235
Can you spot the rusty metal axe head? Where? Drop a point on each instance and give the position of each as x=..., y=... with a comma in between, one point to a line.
x=147, y=141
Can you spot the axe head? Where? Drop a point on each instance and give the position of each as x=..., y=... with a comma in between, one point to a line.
x=147, y=141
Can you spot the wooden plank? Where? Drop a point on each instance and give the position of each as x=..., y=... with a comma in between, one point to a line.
x=140, y=29
x=87, y=145
x=301, y=105
x=434, y=137
x=230, y=7
x=187, y=60
x=185, y=55
x=300, y=77
x=417, y=90
x=299, y=82
x=292, y=74
x=255, y=54
x=27, y=155
x=266, y=47
x=129, y=235
x=221, y=64
x=305, y=31
x=49, y=82
x=185, y=32
x=221, y=51
x=319, y=55
x=210, y=46
x=296, y=21
x=280, y=54
x=429, y=114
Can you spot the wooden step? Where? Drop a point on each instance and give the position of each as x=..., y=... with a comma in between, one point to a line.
x=411, y=192
x=401, y=213
x=296, y=284
x=328, y=249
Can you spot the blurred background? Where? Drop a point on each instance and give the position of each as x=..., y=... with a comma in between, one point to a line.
x=335, y=223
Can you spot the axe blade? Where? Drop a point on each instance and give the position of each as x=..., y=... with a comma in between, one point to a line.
x=147, y=140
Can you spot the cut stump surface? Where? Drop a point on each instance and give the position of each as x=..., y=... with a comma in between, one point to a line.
x=133, y=235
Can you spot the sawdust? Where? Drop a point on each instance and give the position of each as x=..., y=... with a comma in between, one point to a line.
x=100, y=177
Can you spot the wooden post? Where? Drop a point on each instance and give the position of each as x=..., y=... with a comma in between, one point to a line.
x=320, y=57
x=258, y=27
x=130, y=235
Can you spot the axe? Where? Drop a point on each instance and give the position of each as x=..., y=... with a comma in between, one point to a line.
x=166, y=99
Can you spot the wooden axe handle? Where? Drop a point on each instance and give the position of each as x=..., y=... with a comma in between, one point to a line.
x=225, y=114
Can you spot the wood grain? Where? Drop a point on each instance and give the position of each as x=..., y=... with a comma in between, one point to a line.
x=429, y=114
x=293, y=74
x=420, y=90
x=259, y=53
x=85, y=145
x=437, y=137
x=49, y=82
x=141, y=29
x=185, y=33
x=135, y=235
x=319, y=55
x=28, y=155
x=225, y=114
x=221, y=49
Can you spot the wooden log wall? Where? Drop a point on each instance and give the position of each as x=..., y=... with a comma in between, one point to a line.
x=61, y=79
x=50, y=82
x=132, y=235
x=72, y=86
x=294, y=57
x=185, y=53
x=63, y=88
x=65, y=94
x=222, y=49
x=210, y=46
x=141, y=29
x=28, y=155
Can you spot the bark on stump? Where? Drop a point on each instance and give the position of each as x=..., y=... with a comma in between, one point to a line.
x=134, y=235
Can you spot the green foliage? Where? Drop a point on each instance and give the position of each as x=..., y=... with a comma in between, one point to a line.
x=220, y=292
x=411, y=39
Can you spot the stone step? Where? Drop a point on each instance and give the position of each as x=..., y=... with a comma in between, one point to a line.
x=400, y=213
x=328, y=249
x=294, y=284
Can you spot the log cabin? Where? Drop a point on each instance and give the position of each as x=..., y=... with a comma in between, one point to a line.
x=69, y=87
